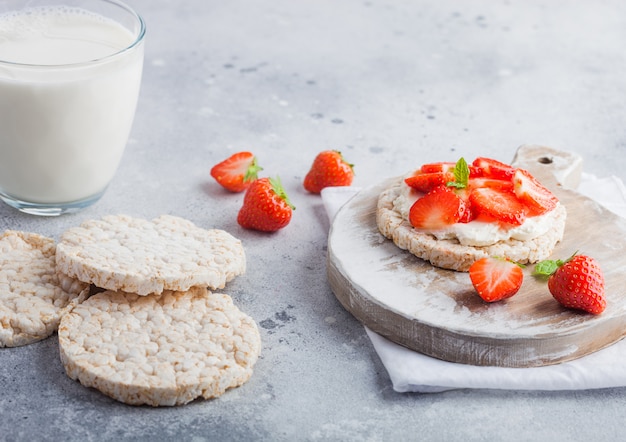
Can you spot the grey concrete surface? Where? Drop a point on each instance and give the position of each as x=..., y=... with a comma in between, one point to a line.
x=391, y=84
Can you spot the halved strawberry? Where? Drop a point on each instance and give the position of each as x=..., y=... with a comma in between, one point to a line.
x=496, y=278
x=532, y=193
x=236, y=172
x=494, y=169
x=439, y=208
x=501, y=205
x=425, y=182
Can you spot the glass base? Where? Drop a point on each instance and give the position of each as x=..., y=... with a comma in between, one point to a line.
x=50, y=209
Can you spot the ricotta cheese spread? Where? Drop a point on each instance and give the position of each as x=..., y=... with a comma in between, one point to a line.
x=478, y=233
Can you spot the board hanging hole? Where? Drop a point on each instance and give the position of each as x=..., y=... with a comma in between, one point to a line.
x=545, y=160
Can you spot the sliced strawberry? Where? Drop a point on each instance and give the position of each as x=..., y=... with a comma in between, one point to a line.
x=236, y=172
x=493, y=183
x=494, y=169
x=501, y=205
x=425, y=182
x=468, y=215
x=496, y=278
x=439, y=208
x=484, y=217
x=447, y=166
x=475, y=171
x=444, y=166
x=532, y=193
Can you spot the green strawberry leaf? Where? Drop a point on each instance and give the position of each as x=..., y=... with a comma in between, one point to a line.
x=252, y=172
x=279, y=190
x=546, y=268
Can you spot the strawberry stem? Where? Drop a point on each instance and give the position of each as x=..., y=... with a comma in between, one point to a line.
x=252, y=172
x=344, y=160
x=278, y=188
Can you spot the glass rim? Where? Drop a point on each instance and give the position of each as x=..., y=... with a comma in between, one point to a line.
x=136, y=42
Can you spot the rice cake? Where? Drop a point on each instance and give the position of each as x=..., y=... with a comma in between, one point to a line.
x=449, y=253
x=33, y=297
x=159, y=350
x=139, y=256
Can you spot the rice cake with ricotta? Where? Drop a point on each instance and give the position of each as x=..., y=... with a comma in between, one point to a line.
x=449, y=253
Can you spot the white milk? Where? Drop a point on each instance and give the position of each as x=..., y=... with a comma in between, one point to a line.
x=63, y=129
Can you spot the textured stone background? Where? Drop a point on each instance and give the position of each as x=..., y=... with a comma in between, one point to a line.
x=391, y=84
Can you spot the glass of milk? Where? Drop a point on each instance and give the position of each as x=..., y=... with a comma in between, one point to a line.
x=70, y=72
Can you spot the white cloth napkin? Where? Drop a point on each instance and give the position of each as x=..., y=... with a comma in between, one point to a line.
x=411, y=371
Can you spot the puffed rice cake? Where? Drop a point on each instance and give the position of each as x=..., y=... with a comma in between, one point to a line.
x=159, y=350
x=139, y=256
x=450, y=254
x=33, y=297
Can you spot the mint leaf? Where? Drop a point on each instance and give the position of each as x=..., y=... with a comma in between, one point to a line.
x=461, y=174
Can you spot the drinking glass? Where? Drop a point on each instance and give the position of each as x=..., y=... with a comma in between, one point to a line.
x=70, y=74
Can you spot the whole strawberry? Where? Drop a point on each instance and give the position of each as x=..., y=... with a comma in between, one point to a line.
x=236, y=172
x=577, y=282
x=329, y=169
x=266, y=206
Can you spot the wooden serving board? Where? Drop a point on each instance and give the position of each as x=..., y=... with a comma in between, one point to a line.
x=438, y=313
